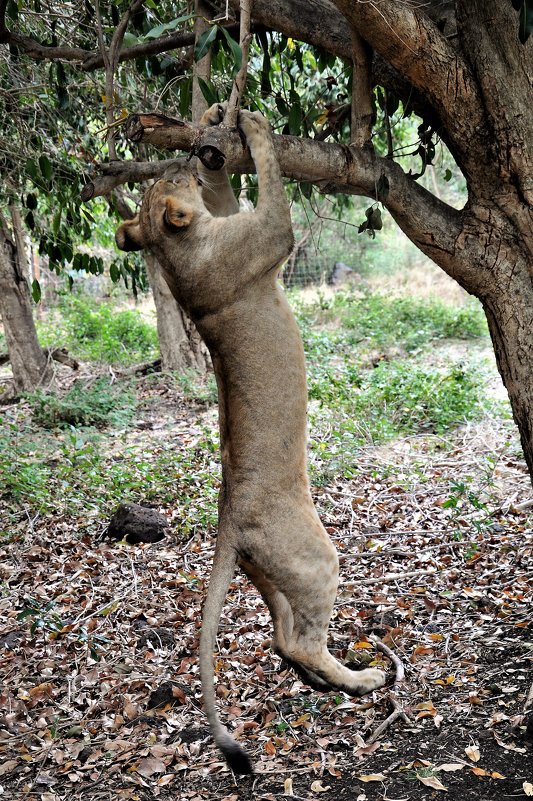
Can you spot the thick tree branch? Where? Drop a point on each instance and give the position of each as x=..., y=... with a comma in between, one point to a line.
x=361, y=118
x=429, y=222
x=409, y=40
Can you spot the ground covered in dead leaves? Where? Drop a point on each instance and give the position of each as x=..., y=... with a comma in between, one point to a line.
x=99, y=642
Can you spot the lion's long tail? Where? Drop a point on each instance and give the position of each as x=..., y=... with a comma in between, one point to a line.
x=221, y=577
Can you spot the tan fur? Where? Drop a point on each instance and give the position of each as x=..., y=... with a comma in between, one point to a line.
x=221, y=264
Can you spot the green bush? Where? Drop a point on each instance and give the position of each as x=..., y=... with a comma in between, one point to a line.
x=376, y=321
x=86, y=404
x=98, y=332
x=412, y=398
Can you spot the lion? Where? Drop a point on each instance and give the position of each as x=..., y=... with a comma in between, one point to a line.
x=221, y=265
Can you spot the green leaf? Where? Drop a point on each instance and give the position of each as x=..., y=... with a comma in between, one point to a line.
x=448, y=175
x=31, y=201
x=45, y=165
x=12, y=10
x=56, y=222
x=208, y=91
x=130, y=39
x=295, y=119
x=204, y=43
x=166, y=27
x=36, y=290
x=114, y=272
x=31, y=170
x=30, y=220
x=235, y=49
x=185, y=97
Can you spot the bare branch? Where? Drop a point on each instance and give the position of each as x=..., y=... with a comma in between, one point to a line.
x=234, y=102
x=362, y=112
x=110, y=58
x=397, y=712
x=90, y=60
x=201, y=69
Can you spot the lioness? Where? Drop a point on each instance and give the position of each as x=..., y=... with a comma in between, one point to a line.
x=221, y=265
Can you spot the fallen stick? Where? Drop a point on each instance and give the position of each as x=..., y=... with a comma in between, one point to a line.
x=396, y=661
x=394, y=576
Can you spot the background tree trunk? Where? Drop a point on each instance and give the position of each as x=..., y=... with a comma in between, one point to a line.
x=29, y=363
x=179, y=343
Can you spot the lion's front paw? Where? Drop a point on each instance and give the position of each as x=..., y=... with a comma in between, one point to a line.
x=253, y=123
x=214, y=114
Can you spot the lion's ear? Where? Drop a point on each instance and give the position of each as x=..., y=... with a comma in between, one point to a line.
x=177, y=215
x=128, y=235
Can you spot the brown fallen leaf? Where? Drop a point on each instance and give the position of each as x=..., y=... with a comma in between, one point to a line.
x=372, y=777
x=450, y=766
x=432, y=781
x=150, y=765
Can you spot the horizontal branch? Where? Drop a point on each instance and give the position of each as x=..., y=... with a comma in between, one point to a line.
x=90, y=60
x=429, y=222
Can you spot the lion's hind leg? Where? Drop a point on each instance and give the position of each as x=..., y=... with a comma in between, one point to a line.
x=311, y=595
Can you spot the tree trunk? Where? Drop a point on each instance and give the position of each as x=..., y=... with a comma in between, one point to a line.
x=29, y=363
x=509, y=310
x=179, y=342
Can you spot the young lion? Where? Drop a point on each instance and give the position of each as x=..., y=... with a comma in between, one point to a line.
x=221, y=265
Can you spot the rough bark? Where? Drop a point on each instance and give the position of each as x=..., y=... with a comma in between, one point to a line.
x=29, y=363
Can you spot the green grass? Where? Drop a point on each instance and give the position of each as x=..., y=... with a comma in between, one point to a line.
x=57, y=460
x=81, y=474
x=374, y=321
x=360, y=398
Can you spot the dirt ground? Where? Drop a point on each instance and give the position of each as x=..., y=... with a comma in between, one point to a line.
x=99, y=645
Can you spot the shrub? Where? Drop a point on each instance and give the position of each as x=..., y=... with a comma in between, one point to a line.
x=95, y=404
x=98, y=332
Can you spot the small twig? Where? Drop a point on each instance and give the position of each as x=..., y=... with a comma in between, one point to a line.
x=529, y=701
x=521, y=507
x=234, y=102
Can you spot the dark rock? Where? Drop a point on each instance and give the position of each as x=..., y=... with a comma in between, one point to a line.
x=135, y=524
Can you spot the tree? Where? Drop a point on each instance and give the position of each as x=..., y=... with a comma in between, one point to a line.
x=42, y=163
x=463, y=66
